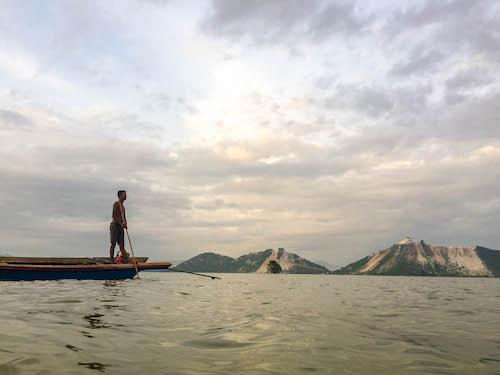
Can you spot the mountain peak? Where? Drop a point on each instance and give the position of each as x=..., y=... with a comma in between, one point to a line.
x=406, y=241
x=410, y=257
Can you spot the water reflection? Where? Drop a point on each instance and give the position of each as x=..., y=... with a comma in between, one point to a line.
x=73, y=348
x=111, y=283
x=252, y=324
x=95, y=321
x=94, y=365
x=106, y=304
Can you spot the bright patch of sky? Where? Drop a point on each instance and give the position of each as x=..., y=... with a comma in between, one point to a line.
x=328, y=127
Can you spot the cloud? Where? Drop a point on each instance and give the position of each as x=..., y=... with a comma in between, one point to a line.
x=470, y=82
x=474, y=119
x=337, y=18
x=235, y=196
x=383, y=124
x=436, y=32
x=367, y=100
x=278, y=22
x=453, y=23
x=263, y=21
x=14, y=120
x=418, y=61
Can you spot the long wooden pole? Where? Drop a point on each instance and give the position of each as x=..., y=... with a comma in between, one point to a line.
x=194, y=273
x=133, y=256
x=129, y=242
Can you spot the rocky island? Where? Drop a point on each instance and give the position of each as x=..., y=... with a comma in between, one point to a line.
x=417, y=258
x=266, y=261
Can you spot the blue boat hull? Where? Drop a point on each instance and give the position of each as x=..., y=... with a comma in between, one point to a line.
x=29, y=275
x=22, y=272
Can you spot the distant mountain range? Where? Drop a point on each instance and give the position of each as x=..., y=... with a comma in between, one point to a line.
x=412, y=258
x=329, y=266
x=253, y=262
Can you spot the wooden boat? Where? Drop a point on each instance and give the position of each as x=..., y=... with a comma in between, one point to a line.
x=20, y=272
x=61, y=261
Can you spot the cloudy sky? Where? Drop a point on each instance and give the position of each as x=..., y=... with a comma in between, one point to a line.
x=330, y=128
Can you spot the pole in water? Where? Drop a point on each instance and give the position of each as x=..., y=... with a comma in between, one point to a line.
x=195, y=273
x=133, y=256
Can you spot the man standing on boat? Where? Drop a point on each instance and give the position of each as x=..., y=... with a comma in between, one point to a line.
x=119, y=222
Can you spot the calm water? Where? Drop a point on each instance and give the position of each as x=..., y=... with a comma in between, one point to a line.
x=170, y=323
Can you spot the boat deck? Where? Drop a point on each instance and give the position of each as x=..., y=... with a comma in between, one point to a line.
x=61, y=261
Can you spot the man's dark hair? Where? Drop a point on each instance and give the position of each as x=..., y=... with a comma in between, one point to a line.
x=120, y=191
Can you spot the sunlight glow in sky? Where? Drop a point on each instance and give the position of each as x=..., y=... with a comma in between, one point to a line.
x=330, y=128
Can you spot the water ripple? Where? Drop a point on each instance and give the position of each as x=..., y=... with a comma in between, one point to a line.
x=291, y=324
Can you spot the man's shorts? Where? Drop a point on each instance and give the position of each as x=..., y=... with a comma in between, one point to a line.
x=116, y=234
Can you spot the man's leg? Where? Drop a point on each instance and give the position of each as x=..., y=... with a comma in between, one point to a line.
x=113, y=240
x=123, y=252
x=112, y=251
x=121, y=243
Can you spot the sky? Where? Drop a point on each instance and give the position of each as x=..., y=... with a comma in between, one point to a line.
x=330, y=128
